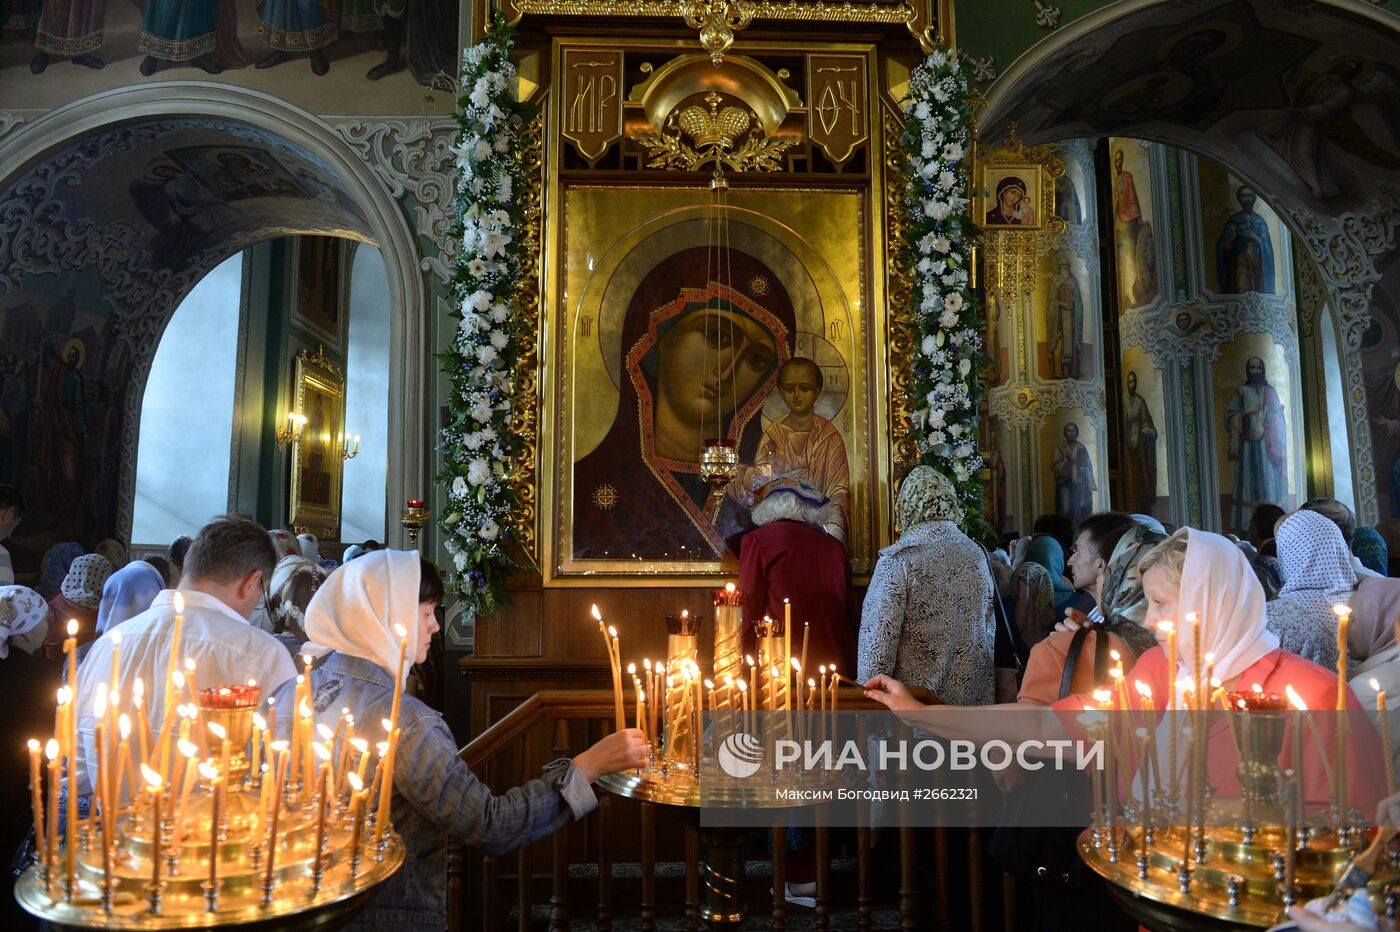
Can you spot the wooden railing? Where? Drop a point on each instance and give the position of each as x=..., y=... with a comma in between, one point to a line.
x=477, y=900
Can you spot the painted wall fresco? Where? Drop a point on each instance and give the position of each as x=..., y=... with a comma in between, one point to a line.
x=133, y=218
x=1258, y=427
x=326, y=58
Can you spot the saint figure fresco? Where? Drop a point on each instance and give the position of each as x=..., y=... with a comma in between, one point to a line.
x=1258, y=445
x=1065, y=312
x=1244, y=253
x=1074, y=477
x=1140, y=434
x=1134, y=233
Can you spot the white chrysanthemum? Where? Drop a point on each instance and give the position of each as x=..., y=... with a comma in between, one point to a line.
x=499, y=313
x=938, y=210
x=929, y=345
x=947, y=319
x=489, y=530
x=486, y=355
x=947, y=180
x=459, y=487
x=459, y=560
x=476, y=268
x=952, y=151
x=479, y=300
x=498, y=339
x=953, y=301
x=941, y=244
x=478, y=472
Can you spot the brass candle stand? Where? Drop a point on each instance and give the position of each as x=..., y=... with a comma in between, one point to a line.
x=1192, y=862
x=282, y=857
x=746, y=707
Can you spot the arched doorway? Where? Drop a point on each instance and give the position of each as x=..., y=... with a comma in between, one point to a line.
x=73, y=209
x=1304, y=104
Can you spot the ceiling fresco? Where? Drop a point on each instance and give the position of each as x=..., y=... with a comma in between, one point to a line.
x=1305, y=96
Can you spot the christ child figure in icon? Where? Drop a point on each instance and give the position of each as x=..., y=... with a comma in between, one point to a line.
x=802, y=444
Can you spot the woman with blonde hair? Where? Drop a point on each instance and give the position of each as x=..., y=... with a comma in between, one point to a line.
x=1202, y=574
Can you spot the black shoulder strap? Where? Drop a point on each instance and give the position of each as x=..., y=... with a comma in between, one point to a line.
x=1076, y=648
x=1004, y=629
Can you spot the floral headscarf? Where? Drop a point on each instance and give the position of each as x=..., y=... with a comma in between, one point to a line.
x=925, y=496
x=21, y=611
x=1124, y=606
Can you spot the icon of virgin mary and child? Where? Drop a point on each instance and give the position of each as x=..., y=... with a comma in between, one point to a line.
x=699, y=360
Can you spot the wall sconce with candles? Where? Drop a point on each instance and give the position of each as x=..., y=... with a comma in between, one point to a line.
x=292, y=433
x=349, y=446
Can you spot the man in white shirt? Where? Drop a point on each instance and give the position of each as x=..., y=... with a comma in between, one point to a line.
x=11, y=512
x=225, y=578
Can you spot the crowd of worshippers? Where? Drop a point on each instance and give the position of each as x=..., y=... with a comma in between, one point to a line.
x=1022, y=626
x=1026, y=624
x=252, y=601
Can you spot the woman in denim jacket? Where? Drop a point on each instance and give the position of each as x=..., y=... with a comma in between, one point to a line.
x=437, y=798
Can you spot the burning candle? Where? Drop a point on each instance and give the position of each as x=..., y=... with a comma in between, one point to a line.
x=116, y=638
x=386, y=790
x=143, y=722
x=1343, y=613
x=36, y=790
x=614, y=667
x=1091, y=720
x=357, y=820
x=100, y=798
x=153, y=790
x=167, y=707
x=190, y=752
x=225, y=751
x=323, y=782
x=124, y=767
x=50, y=847
x=787, y=652
x=259, y=729
x=216, y=783
x=280, y=773
x=1385, y=737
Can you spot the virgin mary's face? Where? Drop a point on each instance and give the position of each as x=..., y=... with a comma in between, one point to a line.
x=712, y=360
x=1010, y=198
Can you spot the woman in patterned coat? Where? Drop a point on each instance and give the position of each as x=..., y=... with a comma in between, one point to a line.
x=928, y=619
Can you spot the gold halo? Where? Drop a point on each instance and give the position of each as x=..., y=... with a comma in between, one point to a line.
x=78, y=345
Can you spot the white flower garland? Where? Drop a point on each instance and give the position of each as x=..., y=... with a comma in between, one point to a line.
x=477, y=444
x=940, y=237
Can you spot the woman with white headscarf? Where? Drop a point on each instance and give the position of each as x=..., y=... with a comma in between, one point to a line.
x=1317, y=575
x=355, y=622
x=1206, y=574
